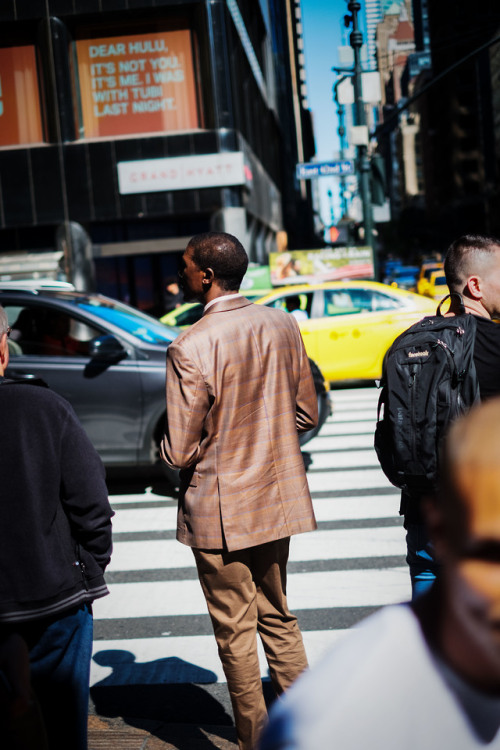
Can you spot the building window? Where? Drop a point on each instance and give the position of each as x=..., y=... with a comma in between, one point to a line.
x=20, y=117
x=136, y=84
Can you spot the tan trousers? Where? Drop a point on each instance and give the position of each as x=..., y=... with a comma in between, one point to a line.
x=246, y=593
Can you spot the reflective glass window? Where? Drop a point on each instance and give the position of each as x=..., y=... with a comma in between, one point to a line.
x=20, y=116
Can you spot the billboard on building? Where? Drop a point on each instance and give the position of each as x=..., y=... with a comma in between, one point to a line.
x=326, y=264
x=135, y=84
x=20, y=116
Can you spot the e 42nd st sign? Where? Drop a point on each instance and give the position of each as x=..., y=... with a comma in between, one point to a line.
x=308, y=171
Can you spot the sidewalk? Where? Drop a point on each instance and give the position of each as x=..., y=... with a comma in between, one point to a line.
x=116, y=734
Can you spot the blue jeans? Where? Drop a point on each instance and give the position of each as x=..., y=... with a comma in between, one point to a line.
x=420, y=559
x=60, y=650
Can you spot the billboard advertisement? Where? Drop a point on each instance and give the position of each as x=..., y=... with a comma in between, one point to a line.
x=326, y=264
x=137, y=84
x=20, y=117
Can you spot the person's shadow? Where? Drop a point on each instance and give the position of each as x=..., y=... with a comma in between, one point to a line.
x=152, y=695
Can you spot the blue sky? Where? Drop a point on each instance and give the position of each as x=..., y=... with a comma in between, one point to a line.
x=323, y=29
x=324, y=32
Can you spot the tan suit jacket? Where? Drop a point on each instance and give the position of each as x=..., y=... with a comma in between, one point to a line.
x=239, y=389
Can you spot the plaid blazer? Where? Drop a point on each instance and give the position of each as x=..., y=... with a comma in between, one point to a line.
x=239, y=390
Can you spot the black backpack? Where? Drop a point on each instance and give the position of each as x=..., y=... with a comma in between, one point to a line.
x=429, y=379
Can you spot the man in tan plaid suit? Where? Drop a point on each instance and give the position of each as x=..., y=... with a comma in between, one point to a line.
x=239, y=390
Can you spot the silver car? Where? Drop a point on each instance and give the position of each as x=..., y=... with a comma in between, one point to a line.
x=108, y=360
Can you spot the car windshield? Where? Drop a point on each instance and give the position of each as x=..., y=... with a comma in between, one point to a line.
x=144, y=327
x=440, y=281
x=429, y=271
x=190, y=315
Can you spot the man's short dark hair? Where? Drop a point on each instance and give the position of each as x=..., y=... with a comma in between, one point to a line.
x=224, y=254
x=466, y=256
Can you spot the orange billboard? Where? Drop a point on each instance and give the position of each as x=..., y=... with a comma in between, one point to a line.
x=137, y=84
x=20, y=117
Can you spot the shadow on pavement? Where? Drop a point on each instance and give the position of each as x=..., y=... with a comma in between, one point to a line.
x=153, y=695
x=131, y=481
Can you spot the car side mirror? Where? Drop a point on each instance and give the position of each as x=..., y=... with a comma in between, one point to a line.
x=106, y=349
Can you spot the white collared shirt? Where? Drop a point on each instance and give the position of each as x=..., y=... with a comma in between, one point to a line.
x=219, y=299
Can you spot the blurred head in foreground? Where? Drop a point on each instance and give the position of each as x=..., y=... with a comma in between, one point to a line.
x=464, y=522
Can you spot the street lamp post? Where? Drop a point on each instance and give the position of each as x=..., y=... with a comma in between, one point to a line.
x=341, y=132
x=363, y=164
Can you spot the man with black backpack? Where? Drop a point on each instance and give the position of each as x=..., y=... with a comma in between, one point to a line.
x=435, y=371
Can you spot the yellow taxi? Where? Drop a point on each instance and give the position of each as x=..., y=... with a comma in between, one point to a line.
x=437, y=287
x=348, y=326
x=190, y=312
x=427, y=268
x=183, y=316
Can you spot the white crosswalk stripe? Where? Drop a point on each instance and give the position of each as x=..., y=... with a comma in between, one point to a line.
x=354, y=561
x=363, y=479
x=199, y=650
x=148, y=519
x=348, y=588
x=341, y=544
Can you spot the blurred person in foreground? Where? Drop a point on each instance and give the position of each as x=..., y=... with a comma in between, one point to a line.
x=239, y=390
x=426, y=674
x=55, y=542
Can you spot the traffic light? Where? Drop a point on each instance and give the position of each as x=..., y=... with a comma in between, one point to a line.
x=377, y=179
x=342, y=234
x=334, y=234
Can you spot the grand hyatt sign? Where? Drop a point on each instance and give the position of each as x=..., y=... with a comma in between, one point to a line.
x=181, y=173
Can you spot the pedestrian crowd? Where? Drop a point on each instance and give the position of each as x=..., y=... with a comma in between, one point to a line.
x=239, y=392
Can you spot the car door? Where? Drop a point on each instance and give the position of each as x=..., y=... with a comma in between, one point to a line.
x=350, y=331
x=52, y=344
x=305, y=306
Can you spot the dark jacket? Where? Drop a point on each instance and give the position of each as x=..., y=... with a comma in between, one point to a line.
x=55, y=517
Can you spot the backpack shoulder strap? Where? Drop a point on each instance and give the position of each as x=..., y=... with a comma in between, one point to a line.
x=450, y=297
